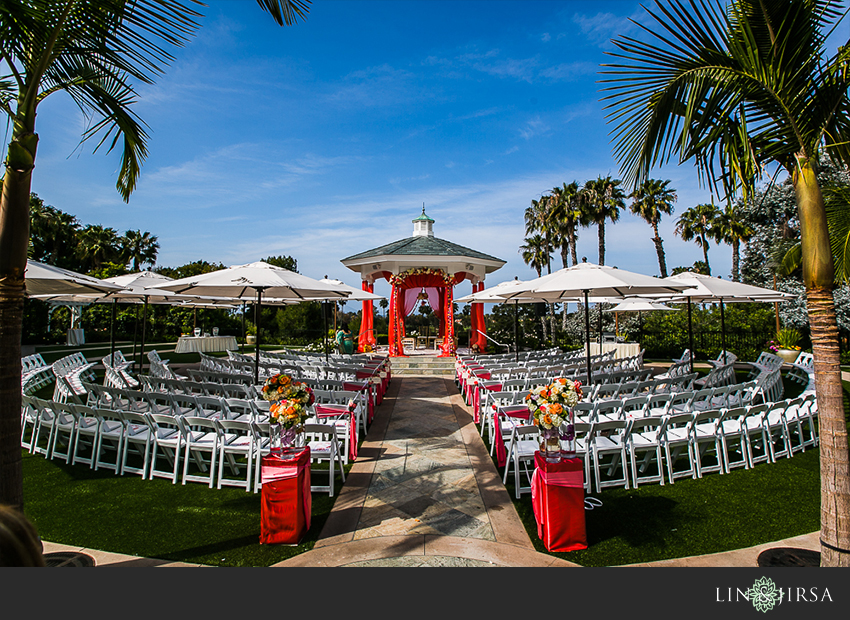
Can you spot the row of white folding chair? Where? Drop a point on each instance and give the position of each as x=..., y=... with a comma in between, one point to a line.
x=734, y=437
x=208, y=388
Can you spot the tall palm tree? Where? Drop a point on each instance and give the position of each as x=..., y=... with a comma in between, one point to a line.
x=729, y=228
x=535, y=253
x=649, y=201
x=603, y=199
x=139, y=247
x=567, y=216
x=736, y=89
x=696, y=224
x=93, y=51
x=538, y=220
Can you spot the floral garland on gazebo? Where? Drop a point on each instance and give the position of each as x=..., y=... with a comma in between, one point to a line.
x=421, y=271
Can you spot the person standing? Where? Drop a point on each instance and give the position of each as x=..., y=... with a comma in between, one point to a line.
x=345, y=340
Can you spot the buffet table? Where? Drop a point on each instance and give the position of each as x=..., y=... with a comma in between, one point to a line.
x=205, y=344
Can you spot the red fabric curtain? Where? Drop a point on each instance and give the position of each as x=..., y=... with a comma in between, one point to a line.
x=398, y=308
x=478, y=310
x=367, y=322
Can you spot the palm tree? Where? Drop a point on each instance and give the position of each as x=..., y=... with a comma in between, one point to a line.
x=737, y=89
x=730, y=229
x=603, y=199
x=93, y=51
x=535, y=253
x=96, y=245
x=649, y=201
x=139, y=247
x=696, y=224
x=538, y=219
x=567, y=217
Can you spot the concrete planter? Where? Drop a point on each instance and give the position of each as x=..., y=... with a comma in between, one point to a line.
x=251, y=339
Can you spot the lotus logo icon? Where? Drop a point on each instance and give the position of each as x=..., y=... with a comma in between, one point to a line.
x=764, y=594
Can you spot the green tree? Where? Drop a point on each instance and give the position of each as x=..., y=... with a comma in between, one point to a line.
x=649, y=201
x=730, y=228
x=696, y=224
x=538, y=221
x=285, y=262
x=566, y=216
x=53, y=235
x=535, y=253
x=139, y=248
x=603, y=199
x=96, y=245
x=93, y=51
x=737, y=89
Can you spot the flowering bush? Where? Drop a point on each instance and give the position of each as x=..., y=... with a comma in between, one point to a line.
x=549, y=403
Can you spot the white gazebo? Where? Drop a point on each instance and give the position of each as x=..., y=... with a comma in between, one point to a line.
x=422, y=266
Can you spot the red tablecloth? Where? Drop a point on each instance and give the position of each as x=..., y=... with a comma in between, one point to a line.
x=286, y=501
x=557, y=496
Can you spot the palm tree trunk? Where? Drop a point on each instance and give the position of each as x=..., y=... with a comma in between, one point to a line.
x=705, y=254
x=659, y=249
x=736, y=271
x=573, y=250
x=14, y=239
x=818, y=273
x=601, y=234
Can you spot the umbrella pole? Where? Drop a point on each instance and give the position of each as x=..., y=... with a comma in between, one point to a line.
x=135, y=330
x=690, y=335
x=516, y=340
x=325, y=336
x=723, y=332
x=243, y=328
x=112, y=332
x=144, y=325
x=257, y=346
x=587, y=334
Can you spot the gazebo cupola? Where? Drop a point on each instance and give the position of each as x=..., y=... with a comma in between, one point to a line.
x=422, y=262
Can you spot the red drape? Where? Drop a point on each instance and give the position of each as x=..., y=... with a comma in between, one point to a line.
x=367, y=322
x=397, y=309
x=478, y=310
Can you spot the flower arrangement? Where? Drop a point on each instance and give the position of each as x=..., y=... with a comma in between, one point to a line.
x=290, y=400
x=550, y=404
x=417, y=271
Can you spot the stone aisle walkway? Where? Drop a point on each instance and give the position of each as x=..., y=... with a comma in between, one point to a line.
x=423, y=492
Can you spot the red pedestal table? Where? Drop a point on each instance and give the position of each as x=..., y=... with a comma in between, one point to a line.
x=286, y=501
x=557, y=496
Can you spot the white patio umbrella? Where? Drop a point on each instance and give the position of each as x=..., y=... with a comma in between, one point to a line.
x=42, y=279
x=587, y=280
x=702, y=288
x=250, y=282
x=639, y=305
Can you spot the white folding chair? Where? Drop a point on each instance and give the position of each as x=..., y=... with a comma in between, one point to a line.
x=679, y=438
x=608, y=450
x=802, y=426
x=524, y=442
x=646, y=437
x=707, y=441
x=64, y=431
x=88, y=429
x=759, y=434
x=201, y=437
x=167, y=436
x=137, y=434
x=236, y=439
x=325, y=448
x=733, y=439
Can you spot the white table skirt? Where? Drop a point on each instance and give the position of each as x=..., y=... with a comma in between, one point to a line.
x=623, y=349
x=205, y=344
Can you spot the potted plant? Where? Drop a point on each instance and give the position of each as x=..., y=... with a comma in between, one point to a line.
x=251, y=333
x=786, y=341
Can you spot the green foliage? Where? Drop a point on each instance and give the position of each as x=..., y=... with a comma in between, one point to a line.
x=190, y=269
x=285, y=262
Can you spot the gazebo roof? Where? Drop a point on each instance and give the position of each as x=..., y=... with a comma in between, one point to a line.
x=422, y=246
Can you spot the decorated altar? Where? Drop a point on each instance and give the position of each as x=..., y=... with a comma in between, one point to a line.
x=422, y=268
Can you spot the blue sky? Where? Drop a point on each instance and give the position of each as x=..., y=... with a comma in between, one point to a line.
x=324, y=139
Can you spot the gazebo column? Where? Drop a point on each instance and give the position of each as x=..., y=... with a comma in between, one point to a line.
x=473, y=319
x=448, y=348
x=394, y=337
